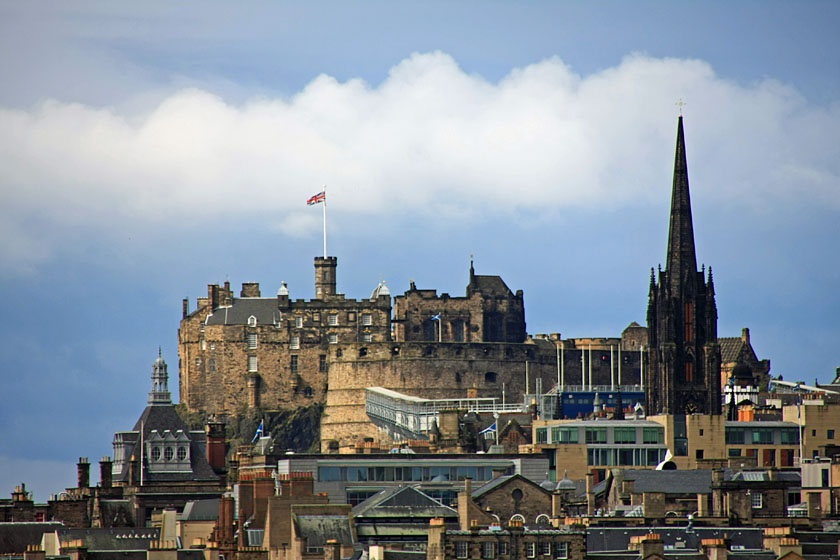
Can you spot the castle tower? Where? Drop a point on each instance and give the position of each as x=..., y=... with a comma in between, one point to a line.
x=325, y=273
x=160, y=383
x=684, y=372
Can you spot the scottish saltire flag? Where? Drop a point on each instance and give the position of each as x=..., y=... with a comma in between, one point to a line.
x=436, y=317
x=489, y=429
x=316, y=198
x=259, y=433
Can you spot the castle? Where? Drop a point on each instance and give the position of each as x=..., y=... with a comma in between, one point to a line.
x=274, y=353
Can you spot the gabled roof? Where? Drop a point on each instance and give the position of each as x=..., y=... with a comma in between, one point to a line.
x=489, y=286
x=500, y=481
x=402, y=501
x=735, y=349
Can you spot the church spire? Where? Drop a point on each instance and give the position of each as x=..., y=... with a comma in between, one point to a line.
x=160, y=382
x=681, y=261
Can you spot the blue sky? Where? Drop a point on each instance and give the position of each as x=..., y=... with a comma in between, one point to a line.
x=146, y=151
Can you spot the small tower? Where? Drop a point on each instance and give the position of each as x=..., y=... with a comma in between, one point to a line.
x=325, y=273
x=160, y=382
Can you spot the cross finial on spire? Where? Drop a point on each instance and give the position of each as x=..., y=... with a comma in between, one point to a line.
x=160, y=355
x=680, y=104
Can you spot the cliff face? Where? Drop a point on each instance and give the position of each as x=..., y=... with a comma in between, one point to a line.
x=294, y=429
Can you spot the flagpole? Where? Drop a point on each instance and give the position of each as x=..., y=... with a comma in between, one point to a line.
x=325, y=221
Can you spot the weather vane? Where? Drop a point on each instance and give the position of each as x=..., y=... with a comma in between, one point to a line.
x=680, y=104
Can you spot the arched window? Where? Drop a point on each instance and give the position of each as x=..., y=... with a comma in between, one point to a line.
x=543, y=519
x=518, y=517
x=252, y=321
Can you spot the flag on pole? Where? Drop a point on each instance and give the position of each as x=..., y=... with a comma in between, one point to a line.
x=491, y=429
x=316, y=198
x=436, y=317
x=259, y=433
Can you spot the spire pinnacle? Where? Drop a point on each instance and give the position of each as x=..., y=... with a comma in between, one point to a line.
x=681, y=261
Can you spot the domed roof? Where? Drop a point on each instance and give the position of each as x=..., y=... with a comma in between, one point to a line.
x=284, y=290
x=742, y=371
x=380, y=290
x=548, y=485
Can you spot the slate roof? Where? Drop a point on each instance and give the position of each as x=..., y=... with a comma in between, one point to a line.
x=201, y=510
x=500, y=481
x=618, y=538
x=163, y=417
x=489, y=286
x=264, y=309
x=15, y=537
x=112, y=539
x=402, y=501
x=670, y=482
x=318, y=529
x=733, y=349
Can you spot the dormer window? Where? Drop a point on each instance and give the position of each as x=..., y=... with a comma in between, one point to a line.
x=252, y=321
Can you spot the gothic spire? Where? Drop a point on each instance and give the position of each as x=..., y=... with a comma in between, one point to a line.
x=681, y=261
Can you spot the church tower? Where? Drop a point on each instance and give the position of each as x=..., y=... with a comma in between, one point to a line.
x=684, y=372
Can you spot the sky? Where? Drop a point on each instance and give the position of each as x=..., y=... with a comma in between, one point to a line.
x=149, y=149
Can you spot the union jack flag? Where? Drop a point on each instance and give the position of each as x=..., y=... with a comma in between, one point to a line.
x=316, y=198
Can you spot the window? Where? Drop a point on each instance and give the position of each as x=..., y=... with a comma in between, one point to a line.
x=734, y=452
x=545, y=548
x=596, y=435
x=653, y=435
x=182, y=453
x=829, y=434
x=252, y=363
x=625, y=435
x=366, y=337
x=542, y=435
x=503, y=548
x=252, y=321
x=689, y=326
x=701, y=431
x=367, y=319
x=316, y=317
x=734, y=435
x=762, y=435
x=204, y=345
x=488, y=550
x=293, y=364
x=790, y=436
x=168, y=453
x=531, y=549
x=294, y=343
x=564, y=435
x=212, y=346
x=461, y=549
x=198, y=362
x=252, y=341
x=322, y=363
x=757, y=501
x=332, y=319
x=698, y=453
x=561, y=550
x=298, y=322
x=155, y=453
x=351, y=316
x=333, y=338
x=212, y=364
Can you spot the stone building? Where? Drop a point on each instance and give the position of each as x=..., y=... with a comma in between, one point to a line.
x=256, y=352
x=684, y=373
x=490, y=312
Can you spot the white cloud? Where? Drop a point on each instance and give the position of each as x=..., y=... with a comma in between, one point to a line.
x=431, y=139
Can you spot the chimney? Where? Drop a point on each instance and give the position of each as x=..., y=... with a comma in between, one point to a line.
x=105, y=470
x=216, y=445
x=715, y=549
x=185, y=310
x=590, y=494
x=651, y=544
x=435, y=546
x=745, y=335
x=332, y=550
x=83, y=470
x=250, y=289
